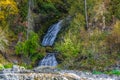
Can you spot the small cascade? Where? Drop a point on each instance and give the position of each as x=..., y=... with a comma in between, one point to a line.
x=48, y=60
x=48, y=40
x=30, y=21
x=51, y=35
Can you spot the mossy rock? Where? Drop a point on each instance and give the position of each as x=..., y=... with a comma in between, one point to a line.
x=49, y=49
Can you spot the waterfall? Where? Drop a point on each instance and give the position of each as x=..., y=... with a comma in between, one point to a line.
x=51, y=35
x=48, y=40
x=30, y=21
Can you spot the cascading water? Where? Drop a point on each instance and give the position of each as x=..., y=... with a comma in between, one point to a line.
x=51, y=35
x=48, y=60
x=48, y=40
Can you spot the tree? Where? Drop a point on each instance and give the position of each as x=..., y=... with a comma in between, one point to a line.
x=7, y=9
x=86, y=17
x=114, y=8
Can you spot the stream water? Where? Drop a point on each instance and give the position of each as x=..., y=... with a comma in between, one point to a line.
x=51, y=35
x=48, y=40
x=48, y=60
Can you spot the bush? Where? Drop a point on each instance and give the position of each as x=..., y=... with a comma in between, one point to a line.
x=112, y=72
x=46, y=6
x=1, y=67
x=70, y=45
x=68, y=48
x=115, y=72
x=8, y=65
x=29, y=48
x=84, y=50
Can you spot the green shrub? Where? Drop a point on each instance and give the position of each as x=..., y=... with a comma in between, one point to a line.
x=113, y=72
x=1, y=67
x=29, y=48
x=71, y=46
x=46, y=6
x=8, y=65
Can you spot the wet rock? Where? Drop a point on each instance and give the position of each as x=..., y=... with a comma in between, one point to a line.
x=45, y=69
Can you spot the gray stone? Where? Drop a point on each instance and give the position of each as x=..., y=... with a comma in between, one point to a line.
x=48, y=73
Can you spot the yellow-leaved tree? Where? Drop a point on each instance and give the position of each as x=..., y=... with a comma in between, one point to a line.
x=8, y=8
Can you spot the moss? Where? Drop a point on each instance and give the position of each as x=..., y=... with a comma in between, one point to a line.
x=97, y=72
x=9, y=65
x=49, y=49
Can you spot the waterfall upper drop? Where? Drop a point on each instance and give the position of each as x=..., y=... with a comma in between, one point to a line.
x=51, y=35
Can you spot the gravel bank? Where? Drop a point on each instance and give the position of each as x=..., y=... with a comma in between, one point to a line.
x=48, y=73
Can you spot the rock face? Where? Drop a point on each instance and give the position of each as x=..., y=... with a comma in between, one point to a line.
x=50, y=73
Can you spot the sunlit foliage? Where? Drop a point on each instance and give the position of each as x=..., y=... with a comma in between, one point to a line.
x=3, y=40
x=29, y=48
x=7, y=8
x=87, y=49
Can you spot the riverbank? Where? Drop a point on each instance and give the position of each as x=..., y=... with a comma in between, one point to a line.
x=50, y=73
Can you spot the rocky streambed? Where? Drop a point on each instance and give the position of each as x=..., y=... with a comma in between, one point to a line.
x=50, y=73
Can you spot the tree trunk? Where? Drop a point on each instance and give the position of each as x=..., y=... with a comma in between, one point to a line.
x=86, y=16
